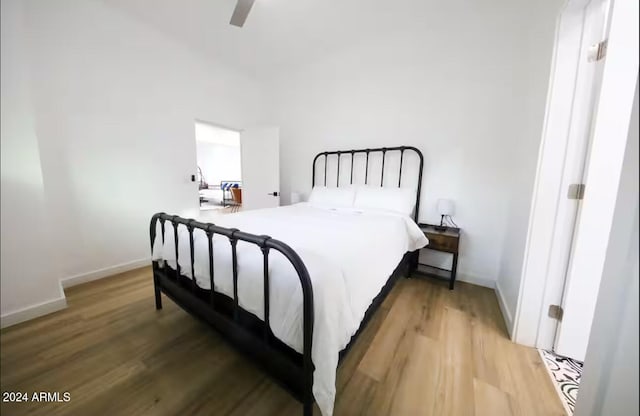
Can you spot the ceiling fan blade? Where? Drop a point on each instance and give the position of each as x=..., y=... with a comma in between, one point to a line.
x=241, y=12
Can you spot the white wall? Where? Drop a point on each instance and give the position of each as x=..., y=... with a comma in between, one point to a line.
x=27, y=266
x=610, y=383
x=114, y=102
x=466, y=85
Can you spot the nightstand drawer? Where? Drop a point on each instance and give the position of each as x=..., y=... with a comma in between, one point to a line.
x=442, y=242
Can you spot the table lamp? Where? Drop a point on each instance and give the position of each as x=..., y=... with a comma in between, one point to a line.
x=445, y=209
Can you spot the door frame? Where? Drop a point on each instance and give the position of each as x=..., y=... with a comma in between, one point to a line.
x=561, y=161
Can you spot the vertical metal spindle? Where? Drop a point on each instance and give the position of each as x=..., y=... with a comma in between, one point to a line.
x=338, y=174
x=351, y=179
x=366, y=169
x=153, y=234
x=191, y=252
x=400, y=176
x=265, y=265
x=175, y=240
x=326, y=156
x=234, y=257
x=162, y=220
x=419, y=190
x=211, y=279
x=384, y=153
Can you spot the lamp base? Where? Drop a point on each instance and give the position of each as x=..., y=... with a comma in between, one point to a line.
x=441, y=227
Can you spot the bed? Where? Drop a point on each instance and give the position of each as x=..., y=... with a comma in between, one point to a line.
x=297, y=285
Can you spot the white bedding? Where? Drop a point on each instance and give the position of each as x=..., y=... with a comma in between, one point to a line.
x=349, y=254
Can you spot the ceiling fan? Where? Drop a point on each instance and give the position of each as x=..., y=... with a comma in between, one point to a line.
x=241, y=12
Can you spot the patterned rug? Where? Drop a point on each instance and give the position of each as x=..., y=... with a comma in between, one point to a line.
x=565, y=374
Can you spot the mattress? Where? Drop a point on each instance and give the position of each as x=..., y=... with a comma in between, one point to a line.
x=349, y=253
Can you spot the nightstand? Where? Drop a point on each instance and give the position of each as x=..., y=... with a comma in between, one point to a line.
x=445, y=241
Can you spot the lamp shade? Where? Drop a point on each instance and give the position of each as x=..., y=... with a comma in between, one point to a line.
x=445, y=207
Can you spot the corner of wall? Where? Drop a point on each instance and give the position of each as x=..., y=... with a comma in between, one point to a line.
x=475, y=280
x=504, y=309
x=59, y=303
x=104, y=272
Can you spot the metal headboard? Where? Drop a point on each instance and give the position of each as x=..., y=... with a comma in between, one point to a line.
x=382, y=150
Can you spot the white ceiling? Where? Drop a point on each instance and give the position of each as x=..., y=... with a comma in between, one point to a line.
x=279, y=34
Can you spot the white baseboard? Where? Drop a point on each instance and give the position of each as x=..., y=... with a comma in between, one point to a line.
x=506, y=315
x=33, y=311
x=475, y=280
x=50, y=306
x=106, y=272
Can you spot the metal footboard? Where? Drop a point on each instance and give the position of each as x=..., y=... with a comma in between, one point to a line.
x=295, y=373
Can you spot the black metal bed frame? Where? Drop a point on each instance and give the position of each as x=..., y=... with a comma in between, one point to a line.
x=244, y=330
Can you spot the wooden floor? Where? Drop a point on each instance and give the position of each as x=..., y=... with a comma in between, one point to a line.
x=427, y=351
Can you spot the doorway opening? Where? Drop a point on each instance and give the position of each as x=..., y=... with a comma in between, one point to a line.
x=219, y=167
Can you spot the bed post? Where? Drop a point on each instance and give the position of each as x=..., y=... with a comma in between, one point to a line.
x=307, y=400
x=308, y=318
x=156, y=289
x=308, y=407
x=152, y=232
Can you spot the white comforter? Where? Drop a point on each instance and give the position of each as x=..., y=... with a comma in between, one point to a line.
x=349, y=254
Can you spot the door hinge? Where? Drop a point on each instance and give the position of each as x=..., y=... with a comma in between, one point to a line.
x=556, y=312
x=597, y=51
x=576, y=191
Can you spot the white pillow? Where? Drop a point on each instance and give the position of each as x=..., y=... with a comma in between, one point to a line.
x=401, y=200
x=324, y=197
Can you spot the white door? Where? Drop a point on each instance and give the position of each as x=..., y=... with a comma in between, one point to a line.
x=584, y=268
x=260, y=152
x=574, y=86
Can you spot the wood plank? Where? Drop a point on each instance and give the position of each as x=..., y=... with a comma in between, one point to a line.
x=418, y=387
x=456, y=384
x=432, y=311
x=490, y=401
x=486, y=338
x=377, y=360
x=357, y=397
x=359, y=349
